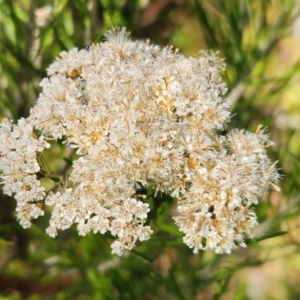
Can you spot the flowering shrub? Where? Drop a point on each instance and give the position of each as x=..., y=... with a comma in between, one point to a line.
x=137, y=115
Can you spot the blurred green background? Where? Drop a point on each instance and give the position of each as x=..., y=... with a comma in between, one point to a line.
x=260, y=41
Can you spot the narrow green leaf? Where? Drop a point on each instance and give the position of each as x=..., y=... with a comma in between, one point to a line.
x=142, y=255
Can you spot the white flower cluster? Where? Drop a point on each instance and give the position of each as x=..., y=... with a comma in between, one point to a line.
x=138, y=114
x=19, y=147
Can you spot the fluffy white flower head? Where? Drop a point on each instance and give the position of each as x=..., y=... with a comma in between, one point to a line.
x=137, y=114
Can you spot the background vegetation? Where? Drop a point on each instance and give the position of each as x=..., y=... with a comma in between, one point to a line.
x=260, y=41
